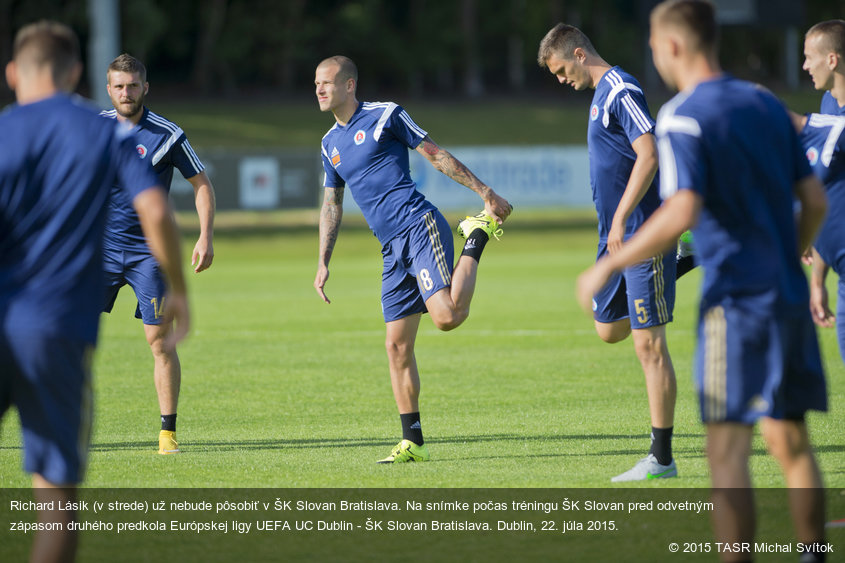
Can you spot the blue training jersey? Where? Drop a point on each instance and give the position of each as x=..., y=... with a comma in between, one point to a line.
x=734, y=144
x=163, y=145
x=618, y=116
x=824, y=144
x=830, y=106
x=370, y=155
x=58, y=162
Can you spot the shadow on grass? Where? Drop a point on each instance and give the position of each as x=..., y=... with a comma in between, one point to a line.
x=306, y=443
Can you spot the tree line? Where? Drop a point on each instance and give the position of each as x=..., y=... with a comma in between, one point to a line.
x=467, y=48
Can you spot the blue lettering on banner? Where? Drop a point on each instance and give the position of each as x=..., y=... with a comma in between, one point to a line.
x=527, y=176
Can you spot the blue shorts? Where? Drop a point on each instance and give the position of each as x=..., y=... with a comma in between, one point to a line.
x=644, y=293
x=141, y=271
x=417, y=264
x=48, y=378
x=751, y=364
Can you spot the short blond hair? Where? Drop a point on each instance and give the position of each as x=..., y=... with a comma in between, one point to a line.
x=696, y=19
x=562, y=40
x=832, y=34
x=47, y=44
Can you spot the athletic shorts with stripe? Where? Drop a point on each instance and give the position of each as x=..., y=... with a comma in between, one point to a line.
x=417, y=264
x=751, y=364
x=643, y=293
x=47, y=376
x=140, y=270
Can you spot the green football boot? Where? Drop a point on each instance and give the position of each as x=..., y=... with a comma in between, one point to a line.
x=481, y=221
x=406, y=451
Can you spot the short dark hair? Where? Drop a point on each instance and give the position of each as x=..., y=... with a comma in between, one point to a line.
x=47, y=44
x=697, y=19
x=562, y=40
x=128, y=63
x=833, y=34
x=347, y=68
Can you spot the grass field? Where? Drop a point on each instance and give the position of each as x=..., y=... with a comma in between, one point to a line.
x=281, y=390
x=281, y=393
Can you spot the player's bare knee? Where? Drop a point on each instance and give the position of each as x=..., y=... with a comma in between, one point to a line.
x=786, y=440
x=450, y=319
x=159, y=350
x=650, y=352
x=397, y=349
x=612, y=333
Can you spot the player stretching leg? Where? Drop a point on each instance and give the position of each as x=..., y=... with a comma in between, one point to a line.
x=367, y=149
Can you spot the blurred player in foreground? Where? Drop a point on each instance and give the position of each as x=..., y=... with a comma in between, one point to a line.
x=368, y=150
x=731, y=165
x=58, y=161
x=163, y=146
x=824, y=60
x=623, y=164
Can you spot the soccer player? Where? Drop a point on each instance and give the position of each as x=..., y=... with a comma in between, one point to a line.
x=58, y=161
x=824, y=60
x=164, y=146
x=368, y=150
x=824, y=144
x=731, y=167
x=623, y=164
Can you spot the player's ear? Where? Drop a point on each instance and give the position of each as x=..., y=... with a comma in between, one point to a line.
x=146, y=87
x=350, y=85
x=12, y=75
x=73, y=76
x=579, y=55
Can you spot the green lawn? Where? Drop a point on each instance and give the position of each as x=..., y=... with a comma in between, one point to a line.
x=286, y=397
x=280, y=389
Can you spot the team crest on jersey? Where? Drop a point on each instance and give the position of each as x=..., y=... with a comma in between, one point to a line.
x=594, y=112
x=335, y=157
x=142, y=150
x=813, y=155
x=360, y=136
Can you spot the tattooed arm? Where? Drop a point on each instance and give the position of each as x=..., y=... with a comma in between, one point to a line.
x=330, y=216
x=495, y=205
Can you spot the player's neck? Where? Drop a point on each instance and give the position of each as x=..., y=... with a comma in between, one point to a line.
x=838, y=90
x=697, y=70
x=598, y=67
x=35, y=88
x=345, y=112
x=132, y=119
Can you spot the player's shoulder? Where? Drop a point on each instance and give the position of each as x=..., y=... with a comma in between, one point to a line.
x=380, y=112
x=380, y=106
x=153, y=121
x=829, y=105
x=616, y=79
x=332, y=130
x=824, y=120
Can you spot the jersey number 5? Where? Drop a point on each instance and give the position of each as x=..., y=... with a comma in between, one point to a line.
x=642, y=312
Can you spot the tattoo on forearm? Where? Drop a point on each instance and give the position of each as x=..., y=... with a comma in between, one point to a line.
x=456, y=170
x=430, y=147
x=330, y=216
x=450, y=166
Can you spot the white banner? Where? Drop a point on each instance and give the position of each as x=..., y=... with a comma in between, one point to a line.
x=258, y=183
x=545, y=176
